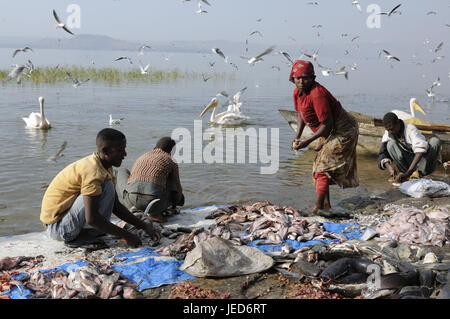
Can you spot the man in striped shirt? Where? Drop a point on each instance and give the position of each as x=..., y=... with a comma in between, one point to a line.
x=154, y=175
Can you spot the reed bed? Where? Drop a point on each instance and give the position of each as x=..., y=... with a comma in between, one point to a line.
x=53, y=75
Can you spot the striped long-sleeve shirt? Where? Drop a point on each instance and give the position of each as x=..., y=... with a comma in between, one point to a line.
x=154, y=167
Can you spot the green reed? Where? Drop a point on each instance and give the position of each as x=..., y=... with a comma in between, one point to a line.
x=52, y=75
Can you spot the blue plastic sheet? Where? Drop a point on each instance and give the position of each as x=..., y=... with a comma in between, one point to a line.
x=146, y=268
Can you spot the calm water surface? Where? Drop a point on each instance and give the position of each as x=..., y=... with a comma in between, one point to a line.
x=155, y=110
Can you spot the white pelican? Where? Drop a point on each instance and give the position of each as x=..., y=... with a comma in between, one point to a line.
x=114, y=121
x=413, y=105
x=232, y=116
x=38, y=120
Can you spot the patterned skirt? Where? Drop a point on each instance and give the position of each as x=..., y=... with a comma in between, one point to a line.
x=336, y=155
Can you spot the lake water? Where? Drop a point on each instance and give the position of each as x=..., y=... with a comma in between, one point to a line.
x=154, y=110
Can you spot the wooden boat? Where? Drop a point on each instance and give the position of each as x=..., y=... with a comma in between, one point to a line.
x=371, y=130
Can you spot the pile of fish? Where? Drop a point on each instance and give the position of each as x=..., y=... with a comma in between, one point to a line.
x=187, y=290
x=262, y=222
x=415, y=226
x=86, y=282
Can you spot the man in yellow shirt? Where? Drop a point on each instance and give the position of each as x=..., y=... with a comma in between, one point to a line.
x=84, y=193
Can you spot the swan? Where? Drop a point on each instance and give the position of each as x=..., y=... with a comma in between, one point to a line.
x=232, y=116
x=38, y=120
x=413, y=105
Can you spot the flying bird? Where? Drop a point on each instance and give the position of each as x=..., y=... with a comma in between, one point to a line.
x=256, y=32
x=287, y=56
x=141, y=49
x=200, y=9
x=58, y=154
x=439, y=47
x=205, y=77
x=390, y=56
x=342, y=72
x=15, y=72
x=144, y=70
x=124, y=58
x=313, y=56
x=22, y=50
x=390, y=12
x=219, y=52
x=356, y=4
x=258, y=58
x=75, y=81
x=60, y=24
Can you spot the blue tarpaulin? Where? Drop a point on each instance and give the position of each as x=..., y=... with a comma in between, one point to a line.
x=152, y=270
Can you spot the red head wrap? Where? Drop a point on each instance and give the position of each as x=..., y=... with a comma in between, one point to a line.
x=301, y=68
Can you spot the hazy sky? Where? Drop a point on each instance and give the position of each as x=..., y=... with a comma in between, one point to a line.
x=151, y=20
x=412, y=34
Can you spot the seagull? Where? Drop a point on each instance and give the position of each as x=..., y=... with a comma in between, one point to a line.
x=356, y=4
x=206, y=1
x=211, y=64
x=60, y=24
x=15, y=72
x=124, y=58
x=200, y=9
x=389, y=56
x=23, y=50
x=436, y=83
x=114, y=121
x=144, y=70
x=354, y=67
x=58, y=154
x=313, y=56
x=287, y=56
x=31, y=68
x=275, y=67
x=430, y=92
x=219, y=52
x=317, y=26
x=76, y=83
x=439, y=47
x=258, y=58
x=438, y=58
x=353, y=39
x=205, y=77
x=390, y=12
x=141, y=49
x=313, y=3
x=431, y=12
x=342, y=72
x=325, y=70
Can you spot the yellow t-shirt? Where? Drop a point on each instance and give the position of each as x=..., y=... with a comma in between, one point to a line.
x=84, y=176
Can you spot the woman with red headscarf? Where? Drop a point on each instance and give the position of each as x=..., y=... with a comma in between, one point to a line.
x=335, y=135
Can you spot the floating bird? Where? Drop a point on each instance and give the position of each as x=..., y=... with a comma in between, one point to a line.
x=413, y=105
x=124, y=58
x=356, y=4
x=22, y=50
x=58, y=154
x=389, y=56
x=232, y=116
x=342, y=72
x=390, y=12
x=200, y=9
x=252, y=61
x=75, y=81
x=38, y=120
x=60, y=24
x=144, y=70
x=15, y=72
x=114, y=121
x=141, y=49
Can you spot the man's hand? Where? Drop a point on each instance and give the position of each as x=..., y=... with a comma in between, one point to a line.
x=132, y=240
x=400, y=178
x=153, y=233
x=392, y=170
